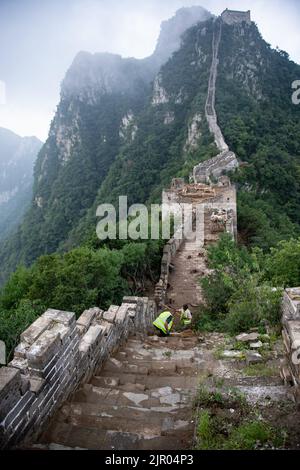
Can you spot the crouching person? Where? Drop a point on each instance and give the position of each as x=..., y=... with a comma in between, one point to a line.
x=164, y=323
x=186, y=316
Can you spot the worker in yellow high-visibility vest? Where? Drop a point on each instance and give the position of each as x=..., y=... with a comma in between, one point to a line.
x=164, y=323
x=186, y=316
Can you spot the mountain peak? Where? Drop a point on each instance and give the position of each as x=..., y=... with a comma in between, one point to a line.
x=103, y=72
x=171, y=30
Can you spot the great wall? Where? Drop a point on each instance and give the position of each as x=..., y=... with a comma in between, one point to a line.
x=103, y=381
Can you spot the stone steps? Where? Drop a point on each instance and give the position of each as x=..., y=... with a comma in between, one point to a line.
x=141, y=399
x=122, y=411
x=95, y=439
x=152, y=398
x=121, y=380
x=146, y=422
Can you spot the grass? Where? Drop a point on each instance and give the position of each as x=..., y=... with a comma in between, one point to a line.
x=216, y=433
x=260, y=370
x=206, y=398
x=225, y=421
x=220, y=397
x=168, y=354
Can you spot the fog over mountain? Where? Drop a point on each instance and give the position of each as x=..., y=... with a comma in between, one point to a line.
x=42, y=38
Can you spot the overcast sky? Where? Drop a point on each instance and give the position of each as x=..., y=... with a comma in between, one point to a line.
x=39, y=39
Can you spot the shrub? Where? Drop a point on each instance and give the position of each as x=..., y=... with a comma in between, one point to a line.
x=253, y=304
x=14, y=322
x=283, y=264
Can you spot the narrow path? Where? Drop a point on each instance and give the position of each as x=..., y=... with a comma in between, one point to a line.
x=188, y=266
x=141, y=399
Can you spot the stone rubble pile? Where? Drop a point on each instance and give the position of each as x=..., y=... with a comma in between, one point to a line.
x=56, y=354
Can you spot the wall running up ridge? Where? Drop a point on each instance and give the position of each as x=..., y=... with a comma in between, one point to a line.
x=225, y=161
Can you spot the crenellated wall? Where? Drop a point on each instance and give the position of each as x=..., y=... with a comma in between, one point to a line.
x=56, y=354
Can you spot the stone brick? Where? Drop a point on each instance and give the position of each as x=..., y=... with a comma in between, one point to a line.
x=35, y=330
x=91, y=339
x=20, y=409
x=10, y=389
x=111, y=313
x=64, y=332
x=122, y=313
x=43, y=350
x=130, y=300
x=86, y=318
x=20, y=350
x=36, y=384
x=66, y=318
x=293, y=328
x=19, y=363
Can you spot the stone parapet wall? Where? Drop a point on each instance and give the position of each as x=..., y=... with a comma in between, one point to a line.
x=169, y=252
x=215, y=167
x=57, y=354
x=290, y=370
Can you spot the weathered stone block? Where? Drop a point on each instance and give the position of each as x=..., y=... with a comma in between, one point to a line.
x=122, y=313
x=111, y=313
x=130, y=300
x=66, y=318
x=253, y=357
x=36, y=384
x=86, y=318
x=19, y=363
x=25, y=384
x=293, y=328
x=64, y=332
x=21, y=349
x=35, y=330
x=10, y=389
x=44, y=349
x=91, y=339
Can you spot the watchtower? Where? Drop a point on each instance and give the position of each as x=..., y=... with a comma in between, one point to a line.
x=235, y=17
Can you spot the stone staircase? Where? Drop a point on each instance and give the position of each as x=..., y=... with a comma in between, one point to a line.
x=141, y=399
x=188, y=266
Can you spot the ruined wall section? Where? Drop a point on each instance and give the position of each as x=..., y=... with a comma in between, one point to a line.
x=215, y=167
x=57, y=354
x=290, y=370
x=232, y=17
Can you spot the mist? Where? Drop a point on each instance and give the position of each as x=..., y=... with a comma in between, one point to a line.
x=39, y=40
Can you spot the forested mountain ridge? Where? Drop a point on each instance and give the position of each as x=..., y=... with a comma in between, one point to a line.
x=112, y=136
x=17, y=157
x=101, y=96
x=256, y=114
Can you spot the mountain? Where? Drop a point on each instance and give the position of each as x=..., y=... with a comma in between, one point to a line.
x=101, y=97
x=126, y=127
x=17, y=157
